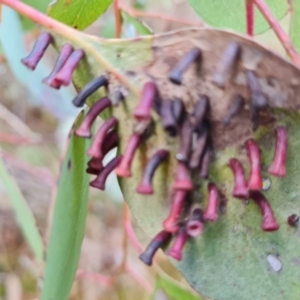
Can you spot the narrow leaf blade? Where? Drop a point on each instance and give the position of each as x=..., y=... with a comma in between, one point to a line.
x=69, y=220
x=23, y=213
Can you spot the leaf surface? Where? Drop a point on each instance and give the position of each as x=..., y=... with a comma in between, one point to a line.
x=231, y=14
x=78, y=14
x=68, y=223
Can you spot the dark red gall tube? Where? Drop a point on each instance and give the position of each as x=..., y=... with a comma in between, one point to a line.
x=240, y=189
x=157, y=242
x=64, y=54
x=97, y=108
x=211, y=212
x=124, y=168
x=179, y=242
x=102, y=138
x=258, y=100
x=168, y=120
x=143, y=110
x=199, y=149
x=31, y=61
x=92, y=171
x=146, y=187
x=95, y=164
x=226, y=64
x=205, y=162
x=255, y=182
x=186, y=137
x=170, y=224
x=183, y=180
x=89, y=89
x=293, y=220
x=100, y=180
x=189, y=58
x=278, y=166
x=178, y=110
x=200, y=112
x=269, y=222
x=64, y=76
x=234, y=109
x=195, y=225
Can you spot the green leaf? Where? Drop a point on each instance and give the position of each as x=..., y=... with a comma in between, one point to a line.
x=23, y=213
x=132, y=27
x=231, y=14
x=173, y=290
x=68, y=223
x=78, y=14
x=295, y=24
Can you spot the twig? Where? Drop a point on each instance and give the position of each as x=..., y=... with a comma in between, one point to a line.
x=126, y=219
x=282, y=36
x=138, y=13
x=131, y=234
x=117, y=18
x=140, y=280
x=17, y=124
x=250, y=17
x=98, y=278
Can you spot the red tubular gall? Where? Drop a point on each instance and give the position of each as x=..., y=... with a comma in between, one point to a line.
x=102, y=138
x=278, y=166
x=31, y=61
x=157, y=242
x=234, y=109
x=100, y=180
x=89, y=89
x=269, y=222
x=211, y=213
x=178, y=110
x=183, y=180
x=255, y=182
x=195, y=225
x=124, y=168
x=168, y=120
x=64, y=54
x=204, y=166
x=170, y=224
x=240, y=189
x=180, y=240
x=293, y=220
x=112, y=142
x=186, y=136
x=84, y=129
x=226, y=64
x=64, y=76
x=189, y=58
x=143, y=110
x=145, y=186
x=200, y=112
x=199, y=149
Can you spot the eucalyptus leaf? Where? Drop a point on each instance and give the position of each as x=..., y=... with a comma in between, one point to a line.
x=231, y=14
x=78, y=14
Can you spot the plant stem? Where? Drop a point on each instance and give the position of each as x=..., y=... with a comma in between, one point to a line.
x=117, y=18
x=282, y=36
x=250, y=17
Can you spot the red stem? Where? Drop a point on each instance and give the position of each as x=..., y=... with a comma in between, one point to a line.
x=250, y=17
x=282, y=36
x=117, y=18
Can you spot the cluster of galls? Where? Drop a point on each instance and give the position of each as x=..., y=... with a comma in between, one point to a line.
x=195, y=149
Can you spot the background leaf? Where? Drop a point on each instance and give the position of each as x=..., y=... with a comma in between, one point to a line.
x=295, y=24
x=78, y=14
x=23, y=213
x=172, y=290
x=231, y=14
x=69, y=219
